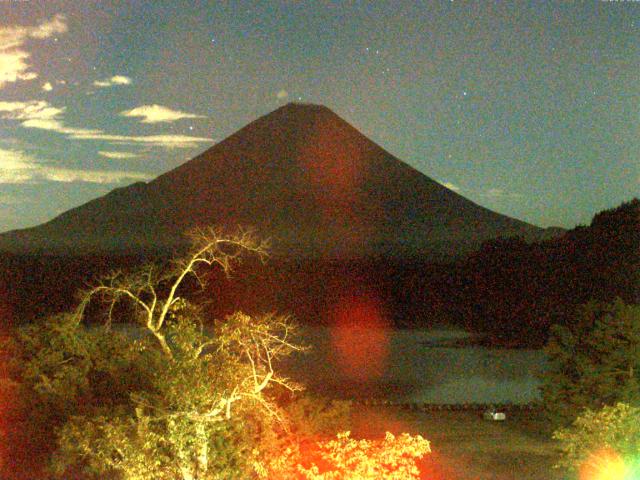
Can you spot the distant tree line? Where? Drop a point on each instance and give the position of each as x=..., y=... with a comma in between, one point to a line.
x=514, y=291
x=509, y=290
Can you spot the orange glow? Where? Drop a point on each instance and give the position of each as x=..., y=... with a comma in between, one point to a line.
x=393, y=457
x=360, y=337
x=605, y=464
x=333, y=163
x=334, y=169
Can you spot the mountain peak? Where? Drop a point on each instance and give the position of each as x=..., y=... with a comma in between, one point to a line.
x=297, y=112
x=304, y=106
x=300, y=175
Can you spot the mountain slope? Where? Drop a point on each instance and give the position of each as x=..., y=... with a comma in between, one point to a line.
x=301, y=176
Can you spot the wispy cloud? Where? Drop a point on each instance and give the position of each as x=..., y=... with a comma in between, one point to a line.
x=34, y=109
x=110, y=82
x=119, y=155
x=14, y=64
x=42, y=115
x=13, y=67
x=18, y=167
x=66, y=175
x=166, y=141
x=157, y=113
x=15, y=166
x=58, y=24
x=56, y=126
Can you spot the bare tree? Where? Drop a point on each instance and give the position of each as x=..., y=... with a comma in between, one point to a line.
x=194, y=377
x=141, y=287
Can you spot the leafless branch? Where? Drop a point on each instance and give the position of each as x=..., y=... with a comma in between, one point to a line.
x=209, y=247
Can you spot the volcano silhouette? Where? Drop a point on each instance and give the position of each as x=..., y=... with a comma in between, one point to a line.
x=301, y=176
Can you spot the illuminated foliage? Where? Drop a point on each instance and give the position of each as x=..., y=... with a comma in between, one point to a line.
x=169, y=398
x=603, y=444
x=154, y=392
x=310, y=416
x=57, y=369
x=345, y=458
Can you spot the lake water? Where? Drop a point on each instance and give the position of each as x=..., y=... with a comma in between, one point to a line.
x=414, y=366
x=410, y=366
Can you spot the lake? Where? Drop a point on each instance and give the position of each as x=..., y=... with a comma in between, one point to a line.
x=414, y=366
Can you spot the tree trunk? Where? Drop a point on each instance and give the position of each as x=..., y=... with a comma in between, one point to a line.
x=187, y=474
x=203, y=450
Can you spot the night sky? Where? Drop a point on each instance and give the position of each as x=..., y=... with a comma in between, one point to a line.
x=530, y=109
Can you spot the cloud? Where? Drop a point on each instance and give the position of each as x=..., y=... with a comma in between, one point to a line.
x=35, y=109
x=13, y=67
x=19, y=167
x=110, y=82
x=12, y=37
x=15, y=166
x=157, y=113
x=451, y=186
x=57, y=24
x=57, y=126
x=166, y=141
x=282, y=94
x=14, y=64
x=42, y=115
x=119, y=155
x=47, y=87
x=65, y=175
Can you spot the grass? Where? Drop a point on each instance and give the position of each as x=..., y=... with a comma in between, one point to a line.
x=466, y=447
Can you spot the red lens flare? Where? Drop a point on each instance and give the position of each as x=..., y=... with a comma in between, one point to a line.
x=360, y=337
x=333, y=164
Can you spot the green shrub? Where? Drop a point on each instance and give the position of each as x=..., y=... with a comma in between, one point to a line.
x=593, y=361
x=602, y=441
